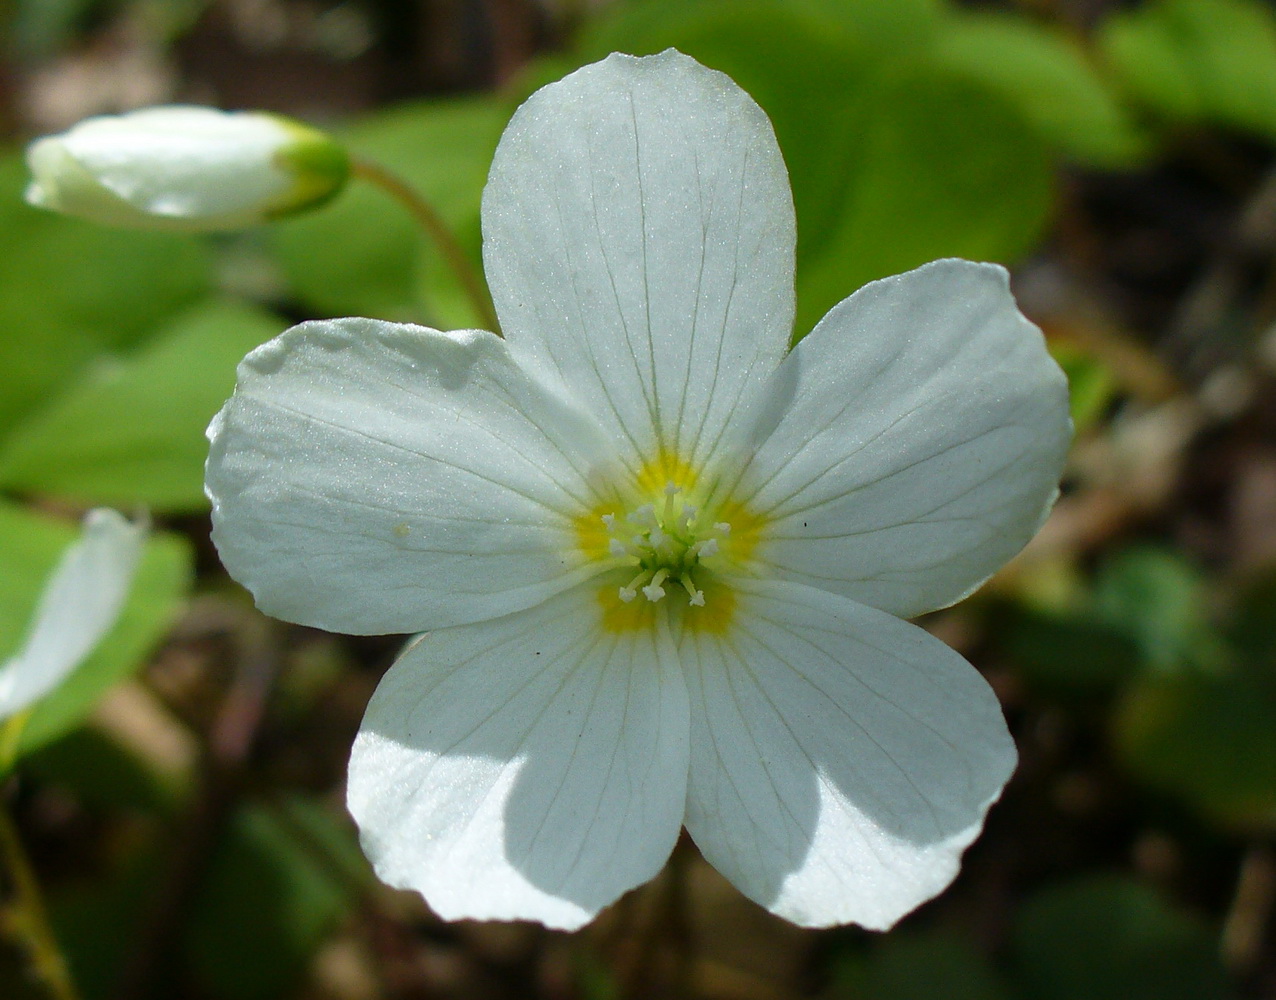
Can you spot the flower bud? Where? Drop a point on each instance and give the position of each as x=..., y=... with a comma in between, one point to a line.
x=185, y=168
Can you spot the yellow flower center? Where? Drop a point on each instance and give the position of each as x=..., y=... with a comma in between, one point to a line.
x=670, y=540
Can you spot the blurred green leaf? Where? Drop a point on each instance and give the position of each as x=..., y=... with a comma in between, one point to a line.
x=892, y=25
x=1110, y=938
x=1149, y=64
x=30, y=547
x=100, y=771
x=363, y=254
x=267, y=904
x=1253, y=629
x=69, y=289
x=1067, y=653
x=97, y=920
x=1194, y=60
x=1048, y=78
x=1091, y=384
x=1206, y=740
x=918, y=966
x=1159, y=599
x=131, y=431
x=41, y=27
x=937, y=168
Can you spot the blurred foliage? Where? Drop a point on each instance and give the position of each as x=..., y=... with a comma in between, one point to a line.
x=1135, y=649
x=130, y=430
x=1109, y=938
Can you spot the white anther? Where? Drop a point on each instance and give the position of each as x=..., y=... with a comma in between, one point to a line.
x=609, y=521
x=657, y=538
x=697, y=599
x=653, y=590
x=617, y=548
x=707, y=548
x=627, y=595
x=644, y=515
x=672, y=490
x=722, y=528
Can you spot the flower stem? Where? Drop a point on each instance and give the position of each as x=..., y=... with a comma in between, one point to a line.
x=30, y=918
x=10, y=737
x=434, y=226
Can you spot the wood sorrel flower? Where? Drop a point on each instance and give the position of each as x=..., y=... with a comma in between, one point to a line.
x=663, y=560
x=185, y=168
x=79, y=606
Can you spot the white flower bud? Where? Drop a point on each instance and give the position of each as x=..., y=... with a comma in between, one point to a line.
x=185, y=168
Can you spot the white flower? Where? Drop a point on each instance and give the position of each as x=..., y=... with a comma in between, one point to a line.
x=662, y=557
x=79, y=606
x=185, y=168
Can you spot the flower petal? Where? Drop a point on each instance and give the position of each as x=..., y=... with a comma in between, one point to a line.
x=79, y=606
x=841, y=759
x=638, y=239
x=371, y=477
x=532, y=767
x=923, y=445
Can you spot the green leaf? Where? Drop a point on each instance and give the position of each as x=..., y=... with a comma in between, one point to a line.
x=1199, y=59
x=885, y=26
x=101, y=772
x=130, y=431
x=30, y=547
x=363, y=254
x=1110, y=938
x=935, y=168
x=1048, y=78
x=1067, y=653
x=69, y=289
x=1208, y=741
x=881, y=29
x=919, y=966
x=1091, y=384
x=268, y=903
x=1158, y=599
x=1150, y=65
x=1253, y=629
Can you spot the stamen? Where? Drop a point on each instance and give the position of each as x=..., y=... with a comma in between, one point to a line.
x=671, y=491
x=630, y=590
x=653, y=590
x=664, y=541
x=644, y=515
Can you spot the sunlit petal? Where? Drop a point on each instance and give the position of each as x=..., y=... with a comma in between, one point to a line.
x=532, y=767
x=841, y=759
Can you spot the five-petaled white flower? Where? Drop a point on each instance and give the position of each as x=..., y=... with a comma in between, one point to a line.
x=80, y=604
x=663, y=559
